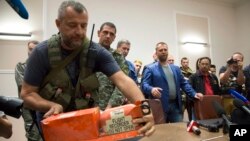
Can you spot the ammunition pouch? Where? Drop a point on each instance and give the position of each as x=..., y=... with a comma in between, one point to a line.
x=49, y=92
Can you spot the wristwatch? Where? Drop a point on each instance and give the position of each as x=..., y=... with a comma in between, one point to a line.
x=2, y=114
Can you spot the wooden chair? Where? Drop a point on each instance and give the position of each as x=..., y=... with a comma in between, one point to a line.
x=157, y=111
x=204, y=109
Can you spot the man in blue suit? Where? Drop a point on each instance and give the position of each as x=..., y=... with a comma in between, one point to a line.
x=163, y=81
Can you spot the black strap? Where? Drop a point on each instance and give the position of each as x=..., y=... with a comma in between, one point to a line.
x=35, y=122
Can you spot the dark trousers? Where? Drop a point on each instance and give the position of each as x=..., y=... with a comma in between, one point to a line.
x=189, y=106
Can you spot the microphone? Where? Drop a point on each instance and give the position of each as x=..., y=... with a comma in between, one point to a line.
x=11, y=106
x=192, y=127
x=222, y=114
x=240, y=105
x=210, y=127
x=238, y=95
x=18, y=6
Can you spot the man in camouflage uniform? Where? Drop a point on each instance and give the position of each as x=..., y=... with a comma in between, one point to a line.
x=32, y=133
x=187, y=72
x=109, y=94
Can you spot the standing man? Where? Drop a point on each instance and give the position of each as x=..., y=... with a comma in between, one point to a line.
x=108, y=94
x=32, y=133
x=170, y=59
x=187, y=72
x=51, y=90
x=231, y=77
x=185, y=69
x=212, y=69
x=203, y=81
x=123, y=46
x=138, y=65
x=163, y=81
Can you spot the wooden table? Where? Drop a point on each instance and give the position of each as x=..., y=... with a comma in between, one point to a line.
x=178, y=132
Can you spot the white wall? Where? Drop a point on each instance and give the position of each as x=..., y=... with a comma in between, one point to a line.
x=146, y=22
x=12, y=52
x=243, y=31
x=143, y=22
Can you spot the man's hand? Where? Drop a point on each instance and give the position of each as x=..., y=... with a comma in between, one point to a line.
x=54, y=110
x=148, y=124
x=156, y=92
x=240, y=65
x=199, y=96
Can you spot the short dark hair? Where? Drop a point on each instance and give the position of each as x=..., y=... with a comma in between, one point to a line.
x=199, y=60
x=33, y=42
x=184, y=58
x=110, y=24
x=212, y=66
x=123, y=41
x=77, y=6
x=160, y=43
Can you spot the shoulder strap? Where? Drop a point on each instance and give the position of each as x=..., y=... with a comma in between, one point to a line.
x=64, y=63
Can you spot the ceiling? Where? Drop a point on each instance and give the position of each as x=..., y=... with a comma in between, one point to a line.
x=232, y=3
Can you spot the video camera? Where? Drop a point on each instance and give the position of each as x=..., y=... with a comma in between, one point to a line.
x=231, y=61
x=11, y=106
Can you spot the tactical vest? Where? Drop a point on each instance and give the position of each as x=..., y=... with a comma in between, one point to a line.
x=60, y=90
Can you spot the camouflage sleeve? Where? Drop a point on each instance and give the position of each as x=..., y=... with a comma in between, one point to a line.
x=104, y=91
x=121, y=62
x=117, y=98
x=19, y=73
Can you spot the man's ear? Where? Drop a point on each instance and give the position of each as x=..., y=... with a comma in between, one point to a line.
x=98, y=33
x=58, y=22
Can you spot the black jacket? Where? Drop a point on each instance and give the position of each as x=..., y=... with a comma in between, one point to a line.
x=198, y=83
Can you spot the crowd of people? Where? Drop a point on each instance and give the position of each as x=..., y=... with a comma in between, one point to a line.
x=45, y=78
x=158, y=82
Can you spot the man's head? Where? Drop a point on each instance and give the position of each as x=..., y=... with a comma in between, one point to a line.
x=238, y=57
x=138, y=65
x=204, y=64
x=31, y=45
x=213, y=69
x=107, y=34
x=72, y=24
x=161, y=51
x=237, y=61
x=123, y=46
x=170, y=59
x=155, y=57
x=185, y=62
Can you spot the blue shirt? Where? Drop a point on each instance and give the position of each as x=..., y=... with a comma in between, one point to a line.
x=132, y=73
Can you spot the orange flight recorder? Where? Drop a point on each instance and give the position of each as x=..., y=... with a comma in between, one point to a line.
x=93, y=125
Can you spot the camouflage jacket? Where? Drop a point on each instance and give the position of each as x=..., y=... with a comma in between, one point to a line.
x=108, y=93
x=19, y=74
x=187, y=73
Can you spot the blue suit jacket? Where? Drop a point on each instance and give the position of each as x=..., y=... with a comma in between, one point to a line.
x=154, y=76
x=132, y=73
